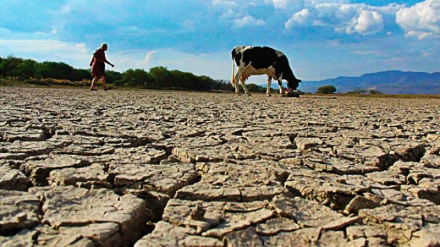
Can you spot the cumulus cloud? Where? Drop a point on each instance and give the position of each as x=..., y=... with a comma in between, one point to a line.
x=343, y=17
x=368, y=22
x=240, y=17
x=224, y=2
x=248, y=21
x=421, y=20
x=299, y=17
x=280, y=4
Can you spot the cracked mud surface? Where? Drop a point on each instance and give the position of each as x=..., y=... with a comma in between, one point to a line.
x=158, y=168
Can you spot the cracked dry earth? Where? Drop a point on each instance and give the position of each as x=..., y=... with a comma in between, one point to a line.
x=157, y=168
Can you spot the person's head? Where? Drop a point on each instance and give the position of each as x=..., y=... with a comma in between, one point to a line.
x=103, y=46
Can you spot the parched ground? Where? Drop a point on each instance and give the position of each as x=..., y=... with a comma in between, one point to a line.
x=159, y=168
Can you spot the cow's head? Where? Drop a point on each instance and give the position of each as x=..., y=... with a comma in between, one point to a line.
x=293, y=84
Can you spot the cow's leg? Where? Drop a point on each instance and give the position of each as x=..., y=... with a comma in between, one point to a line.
x=237, y=78
x=280, y=83
x=269, y=81
x=243, y=84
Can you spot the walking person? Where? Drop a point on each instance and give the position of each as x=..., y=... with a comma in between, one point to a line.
x=98, y=66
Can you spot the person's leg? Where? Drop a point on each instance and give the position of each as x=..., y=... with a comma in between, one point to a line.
x=103, y=82
x=92, y=87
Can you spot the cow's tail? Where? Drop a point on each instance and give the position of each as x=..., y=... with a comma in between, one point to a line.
x=233, y=72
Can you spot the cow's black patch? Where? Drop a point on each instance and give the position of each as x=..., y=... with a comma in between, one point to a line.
x=236, y=56
x=260, y=57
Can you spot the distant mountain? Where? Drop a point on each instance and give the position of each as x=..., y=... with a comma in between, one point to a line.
x=388, y=82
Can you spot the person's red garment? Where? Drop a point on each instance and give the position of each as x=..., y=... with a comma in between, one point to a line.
x=98, y=65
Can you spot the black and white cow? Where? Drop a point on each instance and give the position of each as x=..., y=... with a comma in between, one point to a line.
x=262, y=60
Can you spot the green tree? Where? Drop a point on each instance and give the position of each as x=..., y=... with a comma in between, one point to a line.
x=255, y=88
x=112, y=76
x=82, y=74
x=157, y=78
x=55, y=70
x=184, y=80
x=162, y=76
x=27, y=69
x=9, y=67
x=328, y=89
x=222, y=85
x=137, y=78
x=204, y=83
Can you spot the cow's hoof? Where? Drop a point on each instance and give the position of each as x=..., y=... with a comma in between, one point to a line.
x=268, y=95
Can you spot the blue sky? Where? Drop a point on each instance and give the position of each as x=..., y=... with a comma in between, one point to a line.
x=322, y=38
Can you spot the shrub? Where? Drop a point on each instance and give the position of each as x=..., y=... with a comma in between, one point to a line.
x=375, y=91
x=358, y=91
x=328, y=89
x=255, y=88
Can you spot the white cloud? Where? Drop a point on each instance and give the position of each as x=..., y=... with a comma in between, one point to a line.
x=131, y=59
x=248, y=21
x=149, y=57
x=42, y=46
x=298, y=17
x=336, y=11
x=75, y=54
x=224, y=2
x=239, y=3
x=214, y=65
x=390, y=9
x=239, y=17
x=421, y=20
x=66, y=9
x=280, y=4
x=343, y=17
x=368, y=22
x=334, y=15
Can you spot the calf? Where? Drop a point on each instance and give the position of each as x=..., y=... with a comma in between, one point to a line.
x=262, y=60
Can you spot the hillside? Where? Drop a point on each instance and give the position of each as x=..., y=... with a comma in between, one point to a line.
x=389, y=82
